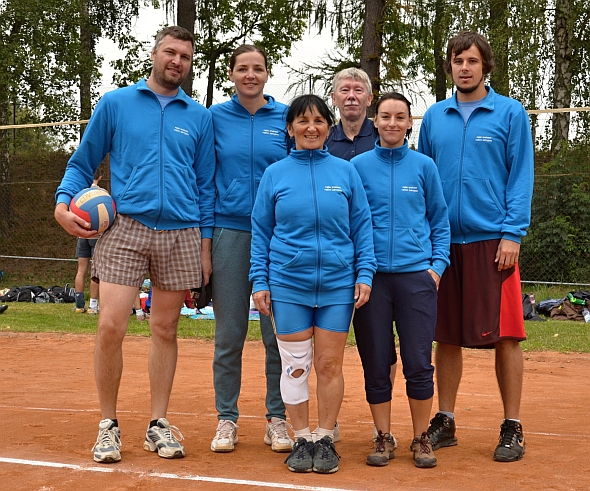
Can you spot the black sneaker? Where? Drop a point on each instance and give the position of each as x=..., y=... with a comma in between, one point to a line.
x=511, y=445
x=325, y=458
x=301, y=458
x=441, y=431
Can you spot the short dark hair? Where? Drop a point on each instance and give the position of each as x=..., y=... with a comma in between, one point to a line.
x=309, y=102
x=246, y=48
x=396, y=96
x=463, y=41
x=175, y=32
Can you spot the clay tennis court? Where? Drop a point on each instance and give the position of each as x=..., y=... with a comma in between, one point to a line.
x=49, y=410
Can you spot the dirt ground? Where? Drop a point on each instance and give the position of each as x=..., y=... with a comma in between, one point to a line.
x=49, y=408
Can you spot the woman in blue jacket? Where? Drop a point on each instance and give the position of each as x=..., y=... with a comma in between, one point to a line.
x=250, y=135
x=312, y=255
x=412, y=238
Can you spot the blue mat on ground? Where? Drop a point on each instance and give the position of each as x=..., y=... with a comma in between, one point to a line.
x=207, y=313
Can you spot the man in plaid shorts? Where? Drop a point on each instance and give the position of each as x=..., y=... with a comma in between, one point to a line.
x=162, y=164
x=482, y=145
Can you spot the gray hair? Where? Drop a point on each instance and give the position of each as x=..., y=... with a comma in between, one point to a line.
x=355, y=74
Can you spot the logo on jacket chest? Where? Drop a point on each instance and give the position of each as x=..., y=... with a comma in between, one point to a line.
x=409, y=189
x=336, y=189
x=178, y=129
x=485, y=139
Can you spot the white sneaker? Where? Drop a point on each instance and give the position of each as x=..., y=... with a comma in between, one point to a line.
x=277, y=435
x=226, y=436
x=376, y=434
x=164, y=439
x=108, y=444
x=314, y=434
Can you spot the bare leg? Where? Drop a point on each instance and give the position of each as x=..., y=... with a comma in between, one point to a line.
x=449, y=368
x=381, y=416
x=108, y=353
x=94, y=289
x=165, y=313
x=509, y=372
x=420, y=411
x=80, y=280
x=299, y=415
x=328, y=359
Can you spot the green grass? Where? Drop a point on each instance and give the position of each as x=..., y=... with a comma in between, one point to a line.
x=563, y=336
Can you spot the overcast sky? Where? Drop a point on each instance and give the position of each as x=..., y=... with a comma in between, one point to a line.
x=310, y=50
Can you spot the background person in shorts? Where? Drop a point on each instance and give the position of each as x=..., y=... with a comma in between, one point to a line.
x=482, y=145
x=355, y=134
x=84, y=253
x=162, y=165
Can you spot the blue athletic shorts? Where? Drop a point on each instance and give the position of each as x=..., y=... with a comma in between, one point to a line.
x=291, y=318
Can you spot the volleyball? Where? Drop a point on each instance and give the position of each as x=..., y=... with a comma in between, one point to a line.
x=96, y=206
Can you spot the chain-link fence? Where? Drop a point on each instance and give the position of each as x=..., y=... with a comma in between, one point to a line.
x=34, y=249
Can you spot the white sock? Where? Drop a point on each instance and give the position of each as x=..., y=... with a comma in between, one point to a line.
x=448, y=414
x=322, y=432
x=94, y=303
x=304, y=433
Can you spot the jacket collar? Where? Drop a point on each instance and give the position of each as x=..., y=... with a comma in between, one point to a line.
x=270, y=102
x=180, y=95
x=487, y=103
x=387, y=154
x=305, y=156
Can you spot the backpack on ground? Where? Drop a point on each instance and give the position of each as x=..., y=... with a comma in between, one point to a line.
x=11, y=295
x=29, y=292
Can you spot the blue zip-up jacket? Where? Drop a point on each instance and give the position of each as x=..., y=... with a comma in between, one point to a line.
x=486, y=166
x=245, y=145
x=410, y=222
x=162, y=161
x=311, y=231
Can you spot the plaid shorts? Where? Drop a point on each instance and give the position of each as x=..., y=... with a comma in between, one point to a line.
x=128, y=250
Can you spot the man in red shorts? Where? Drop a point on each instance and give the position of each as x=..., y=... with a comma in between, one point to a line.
x=162, y=162
x=482, y=145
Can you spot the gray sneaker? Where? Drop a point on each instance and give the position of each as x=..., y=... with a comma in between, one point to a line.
x=325, y=457
x=336, y=439
x=165, y=439
x=301, y=458
x=106, y=450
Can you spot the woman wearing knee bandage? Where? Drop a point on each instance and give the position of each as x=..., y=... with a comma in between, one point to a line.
x=312, y=254
x=412, y=237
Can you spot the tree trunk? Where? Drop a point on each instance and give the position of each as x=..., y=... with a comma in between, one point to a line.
x=499, y=34
x=562, y=86
x=86, y=64
x=372, y=47
x=438, y=32
x=186, y=14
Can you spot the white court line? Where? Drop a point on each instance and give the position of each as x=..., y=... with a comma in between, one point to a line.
x=186, y=477
x=212, y=415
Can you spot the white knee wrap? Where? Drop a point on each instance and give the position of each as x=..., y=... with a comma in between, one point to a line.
x=295, y=355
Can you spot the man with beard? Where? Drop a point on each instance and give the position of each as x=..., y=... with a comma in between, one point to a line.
x=482, y=145
x=162, y=164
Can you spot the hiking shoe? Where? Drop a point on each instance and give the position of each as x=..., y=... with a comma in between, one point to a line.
x=511, y=445
x=325, y=457
x=376, y=434
x=423, y=452
x=165, y=439
x=336, y=439
x=277, y=435
x=382, y=450
x=226, y=436
x=92, y=311
x=107, y=447
x=301, y=458
x=441, y=431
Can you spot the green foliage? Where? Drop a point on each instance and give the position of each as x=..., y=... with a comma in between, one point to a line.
x=559, y=235
x=563, y=336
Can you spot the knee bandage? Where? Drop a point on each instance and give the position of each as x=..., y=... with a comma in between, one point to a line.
x=295, y=356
